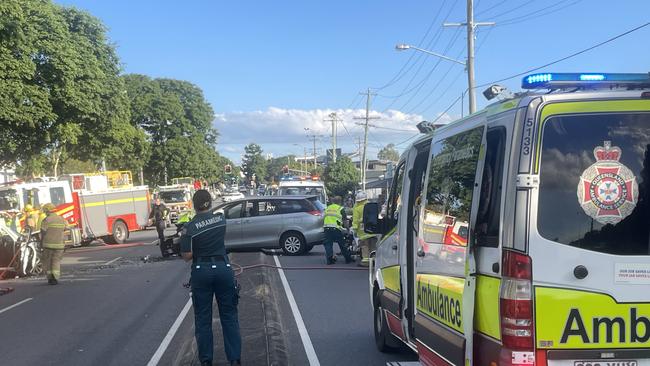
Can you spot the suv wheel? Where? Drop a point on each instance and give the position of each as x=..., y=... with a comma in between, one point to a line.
x=292, y=243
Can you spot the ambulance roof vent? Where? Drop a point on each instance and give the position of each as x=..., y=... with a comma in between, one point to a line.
x=553, y=80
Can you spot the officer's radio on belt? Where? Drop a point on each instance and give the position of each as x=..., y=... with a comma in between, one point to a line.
x=202, y=242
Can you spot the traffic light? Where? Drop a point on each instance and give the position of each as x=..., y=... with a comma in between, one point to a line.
x=228, y=169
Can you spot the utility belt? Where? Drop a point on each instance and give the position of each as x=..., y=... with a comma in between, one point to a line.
x=210, y=259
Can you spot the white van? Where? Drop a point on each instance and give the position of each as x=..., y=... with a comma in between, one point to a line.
x=520, y=235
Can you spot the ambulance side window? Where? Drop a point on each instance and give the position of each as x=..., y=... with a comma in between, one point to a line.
x=489, y=210
x=395, y=198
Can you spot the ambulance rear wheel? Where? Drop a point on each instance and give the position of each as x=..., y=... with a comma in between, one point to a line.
x=384, y=340
x=120, y=233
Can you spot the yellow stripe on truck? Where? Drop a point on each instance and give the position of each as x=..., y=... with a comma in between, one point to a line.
x=441, y=298
x=391, y=278
x=110, y=202
x=573, y=319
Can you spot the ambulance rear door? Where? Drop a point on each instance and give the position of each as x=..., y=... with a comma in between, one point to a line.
x=589, y=232
x=445, y=270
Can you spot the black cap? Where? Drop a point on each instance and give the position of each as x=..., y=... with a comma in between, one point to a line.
x=202, y=200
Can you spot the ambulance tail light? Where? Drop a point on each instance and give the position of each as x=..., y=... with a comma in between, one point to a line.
x=516, y=300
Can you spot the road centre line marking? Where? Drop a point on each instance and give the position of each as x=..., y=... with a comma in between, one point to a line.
x=170, y=335
x=112, y=261
x=16, y=304
x=304, y=335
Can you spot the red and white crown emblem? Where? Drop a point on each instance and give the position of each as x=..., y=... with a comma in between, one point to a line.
x=607, y=190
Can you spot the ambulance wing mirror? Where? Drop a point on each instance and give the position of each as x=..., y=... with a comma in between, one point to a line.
x=372, y=224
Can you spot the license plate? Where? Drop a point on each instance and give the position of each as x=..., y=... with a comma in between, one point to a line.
x=606, y=363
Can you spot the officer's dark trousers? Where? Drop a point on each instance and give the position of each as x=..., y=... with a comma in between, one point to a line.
x=160, y=228
x=215, y=280
x=333, y=235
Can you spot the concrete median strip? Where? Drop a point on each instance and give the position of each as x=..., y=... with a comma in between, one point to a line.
x=16, y=304
x=170, y=335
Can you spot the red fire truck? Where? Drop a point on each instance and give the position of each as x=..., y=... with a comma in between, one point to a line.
x=98, y=206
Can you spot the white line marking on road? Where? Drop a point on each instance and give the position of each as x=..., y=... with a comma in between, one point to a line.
x=16, y=304
x=170, y=335
x=304, y=336
x=112, y=261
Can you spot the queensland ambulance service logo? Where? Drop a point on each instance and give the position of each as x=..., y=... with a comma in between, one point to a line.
x=607, y=190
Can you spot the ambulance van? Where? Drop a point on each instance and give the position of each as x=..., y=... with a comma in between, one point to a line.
x=548, y=195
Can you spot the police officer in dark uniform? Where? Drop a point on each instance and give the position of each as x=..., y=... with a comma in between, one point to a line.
x=202, y=242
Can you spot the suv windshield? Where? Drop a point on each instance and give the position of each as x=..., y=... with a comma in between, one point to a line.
x=595, y=181
x=172, y=196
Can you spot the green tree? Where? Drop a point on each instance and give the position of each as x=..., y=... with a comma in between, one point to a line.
x=178, y=122
x=341, y=177
x=253, y=162
x=275, y=165
x=61, y=94
x=388, y=152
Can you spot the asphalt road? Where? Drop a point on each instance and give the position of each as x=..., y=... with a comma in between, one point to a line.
x=113, y=308
x=335, y=306
x=115, y=314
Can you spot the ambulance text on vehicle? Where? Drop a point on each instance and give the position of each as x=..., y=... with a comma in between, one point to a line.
x=520, y=235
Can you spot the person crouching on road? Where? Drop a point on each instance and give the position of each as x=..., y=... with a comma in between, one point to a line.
x=333, y=226
x=367, y=242
x=202, y=242
x=52, y=240
x=159, y=214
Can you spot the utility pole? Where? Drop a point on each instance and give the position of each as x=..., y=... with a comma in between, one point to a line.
x=367, y=118
x=313, y=140
x=471, y=27
x=334, y=119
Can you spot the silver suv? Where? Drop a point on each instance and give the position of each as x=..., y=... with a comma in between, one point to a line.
x=291, y=223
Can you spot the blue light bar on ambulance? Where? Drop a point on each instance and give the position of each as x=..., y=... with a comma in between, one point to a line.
x=588, y=80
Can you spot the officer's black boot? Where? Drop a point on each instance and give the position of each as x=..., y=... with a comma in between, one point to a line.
x=235, y=363
x=50, y=280
x=206, y=363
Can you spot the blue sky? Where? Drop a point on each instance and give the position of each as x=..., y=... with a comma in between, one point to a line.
x=272, y=68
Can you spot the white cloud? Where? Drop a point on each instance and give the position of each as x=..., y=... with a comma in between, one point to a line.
x=278, y=129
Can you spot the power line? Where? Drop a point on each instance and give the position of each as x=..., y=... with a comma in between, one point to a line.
x=432, y=122
x=536, y=13
x=429, y=45
x=482, y=12
x=569, y=56
x=512, y=9
x=478, y=49
x=399, y=74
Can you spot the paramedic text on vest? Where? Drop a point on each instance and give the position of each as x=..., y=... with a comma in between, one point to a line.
x=202, y=242
x=333, y=226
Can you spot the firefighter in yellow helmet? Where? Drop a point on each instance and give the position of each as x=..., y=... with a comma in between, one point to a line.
x=367, y=242
x=30, y=215
x=52, y=239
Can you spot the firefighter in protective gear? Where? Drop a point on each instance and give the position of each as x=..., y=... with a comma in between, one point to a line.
x=202, y=242
x=333, y=226
x=367, y=242
x=53, y=242
x=31, y=217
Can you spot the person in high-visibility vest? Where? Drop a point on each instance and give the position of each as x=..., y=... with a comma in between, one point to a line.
x=333, y=226
x=367, y=242
x=52, y=239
